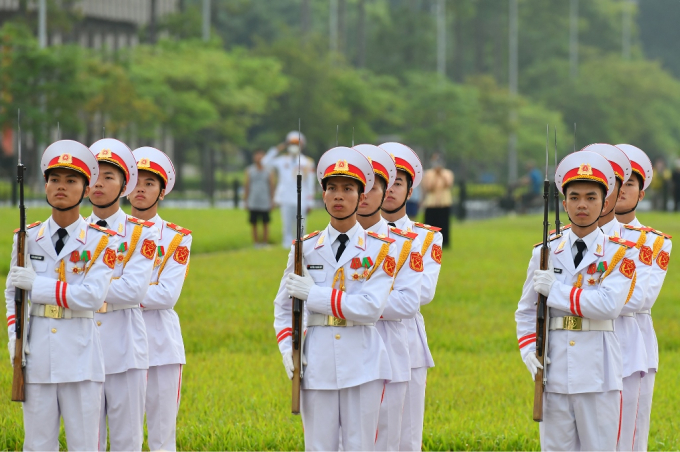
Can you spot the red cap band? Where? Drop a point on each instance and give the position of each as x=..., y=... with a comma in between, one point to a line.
x=350, y=171
x=106, y=155
x=593, y=175
x=638, y=169
x=70, y=162
x=147, y=165
x=405, y=166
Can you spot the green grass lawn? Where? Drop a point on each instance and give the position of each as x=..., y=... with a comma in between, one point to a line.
x=235, y=393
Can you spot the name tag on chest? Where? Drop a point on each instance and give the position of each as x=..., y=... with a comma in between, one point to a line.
x=35, y=257
x=315, y=267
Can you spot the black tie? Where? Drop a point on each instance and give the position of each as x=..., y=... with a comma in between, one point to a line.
x=61, y=232
x=102, y=223
x=581, y=246
x=342, y=238
x=389, y=223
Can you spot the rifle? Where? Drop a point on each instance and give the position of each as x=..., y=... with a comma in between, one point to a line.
x=542, y=303
x=18, y=380
x=297, y=303
x=558, y=225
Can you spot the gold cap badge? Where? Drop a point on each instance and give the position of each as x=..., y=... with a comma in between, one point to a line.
x=66, y=158
x=585, y=170
x=341, y=165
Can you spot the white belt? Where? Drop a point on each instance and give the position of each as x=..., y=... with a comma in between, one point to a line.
x=57, y=312
x=630, y=314
x=389, y=320
x=646, y=311
x=106, y=307
x=329, y=320
x=574, y=323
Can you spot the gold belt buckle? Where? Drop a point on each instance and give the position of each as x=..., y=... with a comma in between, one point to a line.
x=572, y=323
x=102, y=310
x=334, y=321
x=54, y=312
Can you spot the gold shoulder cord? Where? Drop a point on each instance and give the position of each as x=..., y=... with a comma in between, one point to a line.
x=428, y=241
x=641, y=240
x=579, y=281
x=405, y=251
x=103, y=242
x=615, y=261
x=171, y=250
x=658, y=243
x=339, y=275
x=632, y=288
x=136, y=234
x=384, y=249
x=62, y=271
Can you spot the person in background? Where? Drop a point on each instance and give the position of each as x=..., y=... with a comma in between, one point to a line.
x=534, y=182
x=437, y=184
x=259, y=193
x=676, y=186
x=284, y=158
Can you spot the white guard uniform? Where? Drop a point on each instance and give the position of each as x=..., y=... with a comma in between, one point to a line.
x=402, y=305
x=126, y=354
x=421, y=359
x=632, y=344
x=343, y=381
x=583, y=393
x=166, y=347
x=286, y=166
x=656, y=255
x=65, y=368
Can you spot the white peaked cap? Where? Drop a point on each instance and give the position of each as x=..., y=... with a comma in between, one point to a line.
x=346, y=162
x=383, y=164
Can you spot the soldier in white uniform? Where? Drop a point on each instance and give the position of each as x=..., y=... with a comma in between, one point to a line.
x=284, y=159
x=120, y=320
x=166, y=347
x=404, y=300
x=69, y=266
x=344, y=358
x=409, y=175
x=654, y=256
x=632, y=344
x=582, y=399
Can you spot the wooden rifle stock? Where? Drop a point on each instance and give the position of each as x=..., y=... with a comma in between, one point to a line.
x=18, y=379
x=542, y=314
x=297, y=309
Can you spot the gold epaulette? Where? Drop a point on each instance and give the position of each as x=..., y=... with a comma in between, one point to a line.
x=28, y=226
x=405, y=234
x=657, y=232
x=135, y=220
x=623, y=242
x=180, y=229
x=382, y=237
x=563, y=228
x=102, y=229
x=428, y=227
x=310, y=235
x=634, y=228
x=551, y=239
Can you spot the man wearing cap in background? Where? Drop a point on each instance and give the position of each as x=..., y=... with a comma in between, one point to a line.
x=409, y=176
x=64, y=361
x=344, y=359
x=633, y=352
x=166, y=347
x=284, y=158
x=654, y=256
x=582, y=399
x=403, y=301
x=120, y=322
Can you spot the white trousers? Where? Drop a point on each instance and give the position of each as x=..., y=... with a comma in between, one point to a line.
x=289, y=223
x=588, y=421
x=629, y=411
x=644, y=411
x=163, y=394
x=414, y=411
x=391, y=411
x=77, y=403
x=123, y=396
x=351, y=411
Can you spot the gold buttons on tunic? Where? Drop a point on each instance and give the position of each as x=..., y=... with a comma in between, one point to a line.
x=54, y=330
x=99, y=323
x=572, y=343
x=337, y=336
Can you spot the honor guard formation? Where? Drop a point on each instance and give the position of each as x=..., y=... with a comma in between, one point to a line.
x=358, y=347
x=100, y=343
x=589, y=341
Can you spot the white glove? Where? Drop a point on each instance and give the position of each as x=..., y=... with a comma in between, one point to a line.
x=288, y=363
x=544, y=279
x=532, y=363
x=12, y=348
x=22, y=277
x=299, y=286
